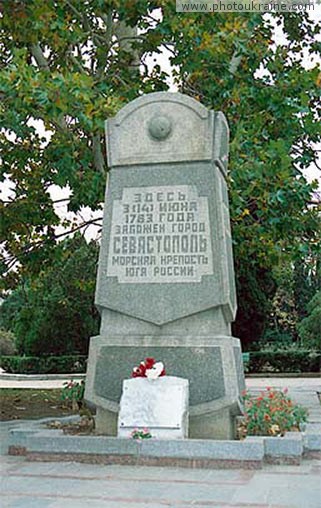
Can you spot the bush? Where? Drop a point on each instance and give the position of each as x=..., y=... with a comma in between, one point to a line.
x=7, y=343
x=310, y=327
x=271, y=413
x=54, y=313
x=74, y=392
x=274, y=340
x=295, y=360
x=44, y=365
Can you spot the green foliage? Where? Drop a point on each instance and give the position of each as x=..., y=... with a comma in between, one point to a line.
x=71, y=65
x=288, y=360
x=246, y=361
x=73, y=392
x=271, y=413
x=141, y=434
x=254, y=290
x=310, y=327
x=274, y=340
x=229, y=62
x=44, y=365
x=66, y=67
x=306, y=282
x=296, y=284
x=7, y=342
x=55, y=313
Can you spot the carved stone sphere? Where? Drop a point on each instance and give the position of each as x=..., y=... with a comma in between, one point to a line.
x=159, y=127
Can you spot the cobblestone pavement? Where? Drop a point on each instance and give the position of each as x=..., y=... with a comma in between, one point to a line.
x=65, y=484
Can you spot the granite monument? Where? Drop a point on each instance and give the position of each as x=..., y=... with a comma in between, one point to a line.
x=165, y=284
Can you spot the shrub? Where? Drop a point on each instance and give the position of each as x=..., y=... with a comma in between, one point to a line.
x=54, y=313
x=292, y=360
x=275, y=340
x=310, y=327
x=271, y=413
x=7, y=342
x=73, y=392
x=44, y=365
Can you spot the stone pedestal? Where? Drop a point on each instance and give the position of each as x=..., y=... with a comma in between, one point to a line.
x=213, y=367
x=165, y=285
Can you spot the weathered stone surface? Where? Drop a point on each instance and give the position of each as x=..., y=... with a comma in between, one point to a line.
x=54, y=442
x=189, y=360
x=291, y=445
x=166, y=226
x=165, y=284
x=146, y=268
x=312, y=437
x=130, y=138
x=161, y=405
x=38, y=443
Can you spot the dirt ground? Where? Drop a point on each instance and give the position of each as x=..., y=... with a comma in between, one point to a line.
x=25, y=404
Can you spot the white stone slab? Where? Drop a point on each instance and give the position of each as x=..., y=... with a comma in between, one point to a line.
x=161, y=405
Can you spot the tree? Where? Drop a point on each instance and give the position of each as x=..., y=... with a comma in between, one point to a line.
x=73, y=64
x=68, y=65
x=306, y=282
x=271, y=100
x=54, y=313
x=310, y=327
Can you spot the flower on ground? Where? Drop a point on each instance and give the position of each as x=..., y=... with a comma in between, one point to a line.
x=141, y=434
x=271, y=413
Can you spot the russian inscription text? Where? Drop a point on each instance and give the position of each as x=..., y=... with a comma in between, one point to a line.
x=160, y=234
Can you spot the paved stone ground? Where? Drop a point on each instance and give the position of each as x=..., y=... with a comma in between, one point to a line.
x=72, y=485
x=57, y=485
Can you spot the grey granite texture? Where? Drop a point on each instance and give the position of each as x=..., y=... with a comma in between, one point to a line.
x=165, y=283
x=106, y=422
x=54, y=441
x=198, y=325
x=129, y=140
x=28, y=484
x=256, y=449
x=219, y=423
x=19, y=437
x=181, y=362
x=157, y=302
x=312, y=437
x=239, y=367
x=213, y=387
x=289, y=445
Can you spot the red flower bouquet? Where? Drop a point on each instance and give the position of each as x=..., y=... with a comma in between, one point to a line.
x=149, y=368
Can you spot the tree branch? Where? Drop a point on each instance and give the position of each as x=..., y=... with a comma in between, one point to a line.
x=12, y=259
x=39, y=56
x=108, y=19
x=99, y=161
x=234, y=63
x=43, y=64
x=126, y=35
x=82, y=17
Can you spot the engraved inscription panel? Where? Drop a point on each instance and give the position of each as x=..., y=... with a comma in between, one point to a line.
x=160, y=235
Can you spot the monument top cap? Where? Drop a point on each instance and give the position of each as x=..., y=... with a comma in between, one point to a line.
x=166, y=127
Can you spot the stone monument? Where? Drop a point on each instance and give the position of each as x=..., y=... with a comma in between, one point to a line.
x=165, y=284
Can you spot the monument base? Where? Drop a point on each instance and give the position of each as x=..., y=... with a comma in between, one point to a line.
x=106, y=422
x=215, y=425
x=220, y=425
x=214, y=369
